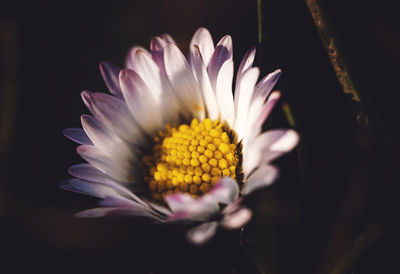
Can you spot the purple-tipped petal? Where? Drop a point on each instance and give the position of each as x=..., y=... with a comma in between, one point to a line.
x=264, y=87
x=86, y=99
x=223, y=52
x=262, y=177
x=199, y=70
x=202, y=38
x=77, y=135
x=237, y=219
x=202, y=233
x=116, y=115
x=110, y=73
x=167, y=38
x=246, y=64
x=183, y=82
x=157, y=47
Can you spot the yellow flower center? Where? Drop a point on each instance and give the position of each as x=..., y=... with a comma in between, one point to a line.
x=191, y=158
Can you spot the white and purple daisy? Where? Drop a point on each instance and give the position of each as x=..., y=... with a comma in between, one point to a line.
x=172, y=143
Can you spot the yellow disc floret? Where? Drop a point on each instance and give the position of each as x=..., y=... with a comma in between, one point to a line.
x=191, y=158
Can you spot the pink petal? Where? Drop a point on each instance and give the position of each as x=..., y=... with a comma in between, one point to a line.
x=225, y=191
x=237, y=219
x=202, y=233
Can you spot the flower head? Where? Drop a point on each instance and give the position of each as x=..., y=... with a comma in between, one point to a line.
x=172, y=143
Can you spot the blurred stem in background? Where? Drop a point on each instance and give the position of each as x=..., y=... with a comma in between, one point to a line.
x=381, y=147
x=366, y=115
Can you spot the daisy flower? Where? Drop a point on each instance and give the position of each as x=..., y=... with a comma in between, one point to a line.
x=172, y=143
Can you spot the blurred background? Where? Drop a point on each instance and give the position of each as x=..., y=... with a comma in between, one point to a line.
x=335, y=207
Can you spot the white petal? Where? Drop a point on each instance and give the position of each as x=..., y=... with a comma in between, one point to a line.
x=261, y=177
x=201, y=74
x=257, y=117
x=243, y=96
x=224, y=93
x=140, y=103
x=103, y=138
x=148, y=70
x=237, y=219
x=183, y=82
x=225, y=191
x=202, y=233
x=112, y=166
x=131, y=55
x=202, y=38
x=268, y=146
x=116, y=115
x=89, y=173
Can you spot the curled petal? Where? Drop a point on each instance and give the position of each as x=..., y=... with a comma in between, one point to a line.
x=203, y=40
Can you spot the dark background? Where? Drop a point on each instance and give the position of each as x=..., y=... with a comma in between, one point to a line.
x=335, y=207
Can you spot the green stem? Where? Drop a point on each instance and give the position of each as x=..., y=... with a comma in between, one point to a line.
x=260, y=23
